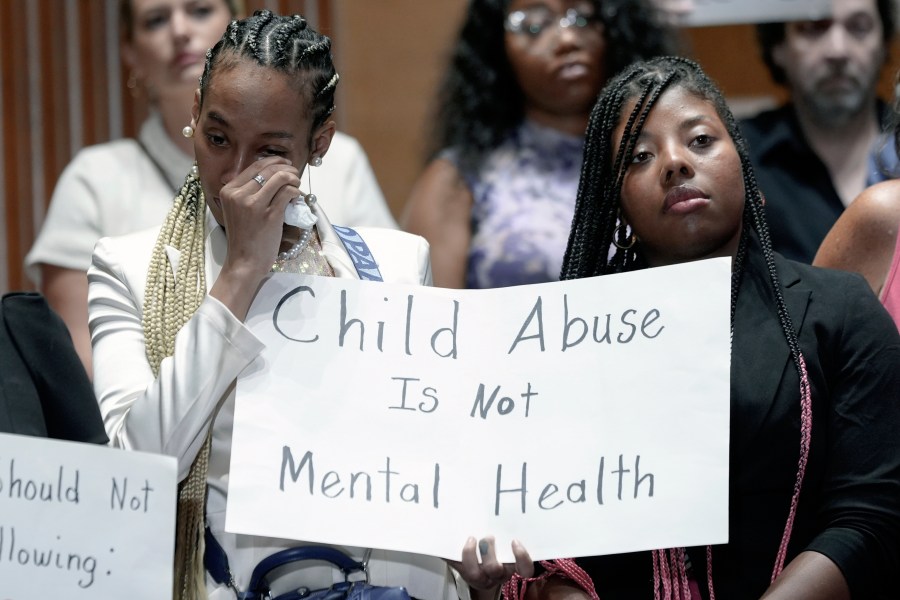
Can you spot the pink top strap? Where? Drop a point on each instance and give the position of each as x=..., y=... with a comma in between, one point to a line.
x=890, y=294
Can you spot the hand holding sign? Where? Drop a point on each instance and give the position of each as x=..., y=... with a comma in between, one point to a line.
x=488, y=573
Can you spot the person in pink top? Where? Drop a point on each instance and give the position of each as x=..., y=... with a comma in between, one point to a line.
x=864, y=240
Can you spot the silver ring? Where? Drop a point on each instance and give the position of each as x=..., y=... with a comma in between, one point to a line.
x=258, y=178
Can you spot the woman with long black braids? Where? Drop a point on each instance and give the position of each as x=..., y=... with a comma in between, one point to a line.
x=814, y=499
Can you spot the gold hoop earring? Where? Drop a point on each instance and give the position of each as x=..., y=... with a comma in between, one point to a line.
x=623, y=228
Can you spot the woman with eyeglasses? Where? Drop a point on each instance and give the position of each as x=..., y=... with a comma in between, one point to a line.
x=497, y=198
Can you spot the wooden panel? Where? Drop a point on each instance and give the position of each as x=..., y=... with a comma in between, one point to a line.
x=54, y=98
x=92, y=51
x=391, y=54
x=17, y=139
x=6, y=144
x=729, y=55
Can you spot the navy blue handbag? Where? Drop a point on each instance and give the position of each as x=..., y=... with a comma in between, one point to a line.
x=346, y=590
x=216, y=562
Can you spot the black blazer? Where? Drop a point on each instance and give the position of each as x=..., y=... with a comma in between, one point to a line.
x=44, y=389
x=849, y=507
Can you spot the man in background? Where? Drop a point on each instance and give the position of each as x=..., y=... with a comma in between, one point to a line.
x=814, y=155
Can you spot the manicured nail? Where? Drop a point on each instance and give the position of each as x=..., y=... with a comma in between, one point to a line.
x=483, y=547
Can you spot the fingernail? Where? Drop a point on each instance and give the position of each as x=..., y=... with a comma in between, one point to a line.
x=483, y=547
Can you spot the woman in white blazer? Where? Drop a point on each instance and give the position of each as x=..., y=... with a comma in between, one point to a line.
x=167, y=305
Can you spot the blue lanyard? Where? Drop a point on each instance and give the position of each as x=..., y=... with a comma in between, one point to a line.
x=359, y=253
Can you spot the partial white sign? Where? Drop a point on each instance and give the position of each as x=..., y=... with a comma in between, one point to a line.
x=409, y=418
x=84, y=521
x=728, y=12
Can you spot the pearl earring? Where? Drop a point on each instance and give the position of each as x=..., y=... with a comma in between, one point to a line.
x=188, y=131
x=194, y=170
x=310, y=198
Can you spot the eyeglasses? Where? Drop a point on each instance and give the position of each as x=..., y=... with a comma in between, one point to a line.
x=533, y=22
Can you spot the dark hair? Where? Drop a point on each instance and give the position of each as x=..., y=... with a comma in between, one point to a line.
x=596, y=221
x=287, y=44
x=480, y=100
x=770, y=35
x=126, y=15
x=597, y=205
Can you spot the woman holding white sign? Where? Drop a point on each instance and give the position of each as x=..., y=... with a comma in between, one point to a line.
x=167, y=305
x=814, y=499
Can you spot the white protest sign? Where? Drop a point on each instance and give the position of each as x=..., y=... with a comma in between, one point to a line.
x=726, y=12
x=84, y=521
x=582, y=417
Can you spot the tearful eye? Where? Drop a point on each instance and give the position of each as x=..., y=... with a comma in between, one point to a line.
x=702, y=140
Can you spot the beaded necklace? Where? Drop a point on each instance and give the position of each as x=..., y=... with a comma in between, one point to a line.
x=305, y=256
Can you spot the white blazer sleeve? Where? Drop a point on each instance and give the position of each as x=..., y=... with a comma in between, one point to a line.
x=171, y=413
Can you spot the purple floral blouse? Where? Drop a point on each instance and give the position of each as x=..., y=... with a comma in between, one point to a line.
x=524, y=200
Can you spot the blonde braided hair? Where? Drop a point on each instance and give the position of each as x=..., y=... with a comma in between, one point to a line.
x=169, y=302
x=282, y=43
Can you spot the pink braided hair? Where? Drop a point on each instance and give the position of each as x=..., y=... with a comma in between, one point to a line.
x=566, y=568
x=805, y=440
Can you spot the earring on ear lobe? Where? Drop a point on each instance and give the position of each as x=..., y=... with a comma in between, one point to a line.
x=310, y=197
x=620, y=232
x=316, y=161
x=188, y=131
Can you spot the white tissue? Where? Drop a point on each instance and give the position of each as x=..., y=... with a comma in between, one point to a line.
x=297, y=213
